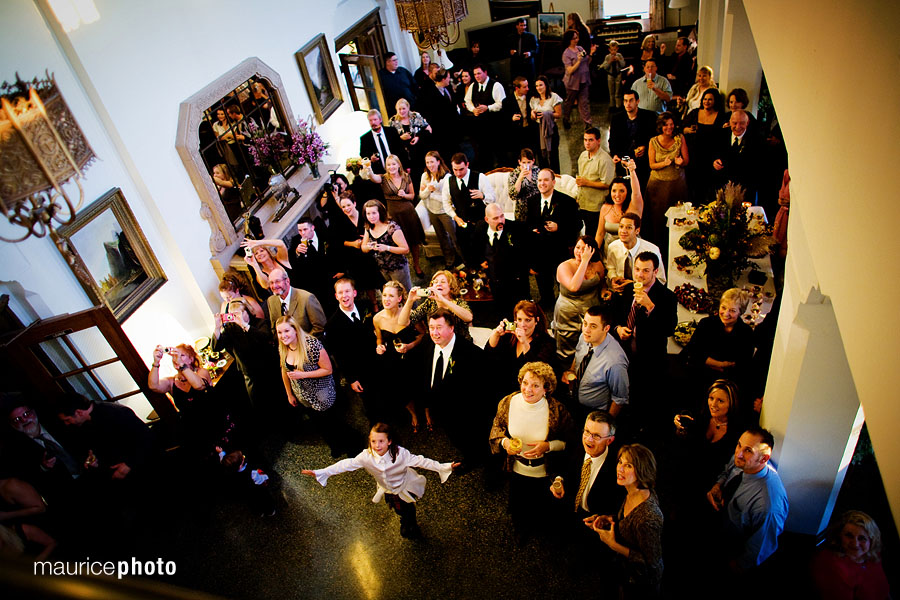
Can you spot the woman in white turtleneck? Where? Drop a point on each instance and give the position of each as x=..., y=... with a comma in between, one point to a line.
x=529, y=428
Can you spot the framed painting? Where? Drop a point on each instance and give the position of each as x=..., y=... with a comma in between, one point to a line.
x=551, y=26
x=106, y=249
x=321, y=81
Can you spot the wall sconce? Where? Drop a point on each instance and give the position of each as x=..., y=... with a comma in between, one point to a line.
x=41, y=149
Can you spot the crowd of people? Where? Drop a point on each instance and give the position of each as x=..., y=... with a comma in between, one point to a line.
x=573, y=395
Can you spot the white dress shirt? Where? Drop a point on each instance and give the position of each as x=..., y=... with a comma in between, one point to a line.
x=484, y=186
x=350, y=312
x=397, y=477
x=497, y=93
x=615, y=259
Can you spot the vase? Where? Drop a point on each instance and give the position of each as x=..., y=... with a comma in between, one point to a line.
x=314, y=170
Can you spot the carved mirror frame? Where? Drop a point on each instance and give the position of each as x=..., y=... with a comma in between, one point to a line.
x=190, y=115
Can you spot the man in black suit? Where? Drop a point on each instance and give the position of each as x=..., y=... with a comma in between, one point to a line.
x=737, y=157
x=555, y=224
x=499, y=246
x=645, y=315
x=464, y=197
x=34, y=454
x=312, y=268
x=454, y=389
x=437, y=106
x=523, y=48
x=484, y=99
x=114, y=442
x=523, y=131
x=586, y=487
x=630, y=133
x=594, y=470
x=350, y=337
x=379, y=143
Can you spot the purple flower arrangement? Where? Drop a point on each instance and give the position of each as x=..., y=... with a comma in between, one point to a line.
x=307, y=146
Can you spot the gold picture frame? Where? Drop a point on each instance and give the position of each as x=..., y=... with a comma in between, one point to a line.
x=317, y=69
x=106, y=249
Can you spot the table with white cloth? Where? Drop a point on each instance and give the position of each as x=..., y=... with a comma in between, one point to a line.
x=697, y=278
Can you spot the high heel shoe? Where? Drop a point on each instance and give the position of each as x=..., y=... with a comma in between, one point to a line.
x=415, y=427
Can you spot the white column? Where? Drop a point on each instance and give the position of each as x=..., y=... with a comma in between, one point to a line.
x=740, y=66
x=709, y=34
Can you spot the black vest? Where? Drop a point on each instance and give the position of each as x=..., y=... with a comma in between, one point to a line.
x=466, y=208
x=485, y=97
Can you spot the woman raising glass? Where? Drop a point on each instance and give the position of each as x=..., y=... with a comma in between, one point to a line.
x=386, y=240
x=393, y=341
x=522, y=184
x=264, y=256
x=624, y=196
x=233, y=287
x=399, y=195
x=580, y=279
x=525, y=340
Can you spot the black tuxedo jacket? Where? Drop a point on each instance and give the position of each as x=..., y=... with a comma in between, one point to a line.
x=553, y=246
x=621, y=143
x=352, y=344
x=605, y=496
x=440, y=112
x=368, y=147
x=507, y=258
x=314, y=270
x=651, y=331
x=509, y=108
x=453, y=395
x=741, y=163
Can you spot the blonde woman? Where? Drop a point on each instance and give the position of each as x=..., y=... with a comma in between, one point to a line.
x=414, y=131
x=306, y=373
x=705, y=81
x=393, y=341
x=264, y=256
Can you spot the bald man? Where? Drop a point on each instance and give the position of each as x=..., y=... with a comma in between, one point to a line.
x=500, y=247
x=737, y=156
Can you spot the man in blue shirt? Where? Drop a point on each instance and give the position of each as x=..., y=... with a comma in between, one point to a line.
x=753, y=499
x=599, y=372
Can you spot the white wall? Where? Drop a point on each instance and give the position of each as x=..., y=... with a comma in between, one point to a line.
x=844, y=214
x=140, y=61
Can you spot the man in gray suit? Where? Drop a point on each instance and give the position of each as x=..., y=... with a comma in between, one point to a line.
x=300, y=304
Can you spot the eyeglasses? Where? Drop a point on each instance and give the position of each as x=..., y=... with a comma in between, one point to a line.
x=594, y=436
x=25, y=415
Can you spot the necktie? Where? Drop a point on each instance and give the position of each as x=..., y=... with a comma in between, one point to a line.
x=585, y=477
x=730, y=488
x=445, y=92
x=382, y=145
x=736, y=144
x=481, y=87
x=55, y=450
x=496, y=238
x=520, y=46
x=355, y=317
x=584, y=364
x=284, y=308
x=438, y=370
x=628, y=268
x=545, y=210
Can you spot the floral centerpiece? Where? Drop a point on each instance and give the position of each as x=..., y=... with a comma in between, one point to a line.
x=307, y=146
x=354, y=164
x=725, y=239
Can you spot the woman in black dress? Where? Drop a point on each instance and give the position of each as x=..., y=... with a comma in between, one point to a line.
x=347, y=230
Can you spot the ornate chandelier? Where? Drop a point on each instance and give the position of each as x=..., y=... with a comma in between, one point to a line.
x=430, y=21
x=41, y=149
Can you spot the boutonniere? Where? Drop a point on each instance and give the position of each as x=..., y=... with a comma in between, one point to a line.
x=450, y=366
